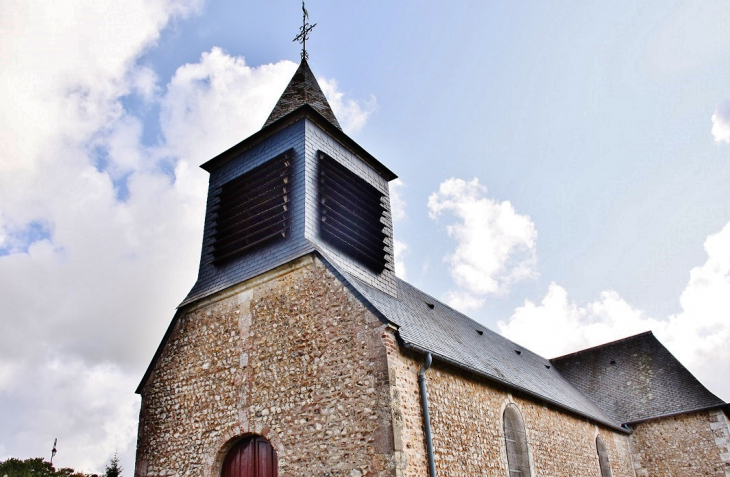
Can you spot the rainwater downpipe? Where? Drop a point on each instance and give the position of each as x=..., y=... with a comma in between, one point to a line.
x=426, y=420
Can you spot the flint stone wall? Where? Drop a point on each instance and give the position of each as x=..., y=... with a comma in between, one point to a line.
x=686, y=445
x=468, y=434
x=291, y=355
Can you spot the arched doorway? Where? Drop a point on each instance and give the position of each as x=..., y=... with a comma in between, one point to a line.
x=251, y=457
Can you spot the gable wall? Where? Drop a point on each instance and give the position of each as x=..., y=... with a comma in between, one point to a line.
x=468, y=436
x=691, y=445
x=291, y=355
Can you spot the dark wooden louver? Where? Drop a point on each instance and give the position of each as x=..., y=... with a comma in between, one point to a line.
x=351, y=211
x=253, y=209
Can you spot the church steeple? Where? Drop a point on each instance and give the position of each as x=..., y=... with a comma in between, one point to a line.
x=298, y=186
x=303, y=89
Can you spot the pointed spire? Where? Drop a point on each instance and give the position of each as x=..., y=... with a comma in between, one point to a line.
x=302, y=89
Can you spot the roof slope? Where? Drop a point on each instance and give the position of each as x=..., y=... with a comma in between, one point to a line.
x=635, y=379
x=302, y=89
x=455, y=338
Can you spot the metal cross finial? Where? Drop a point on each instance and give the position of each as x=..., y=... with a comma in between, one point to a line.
x=304, y=32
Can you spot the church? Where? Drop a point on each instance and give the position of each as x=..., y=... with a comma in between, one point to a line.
x=298, y=352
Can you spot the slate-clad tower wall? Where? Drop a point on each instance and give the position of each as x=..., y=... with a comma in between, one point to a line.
x=318, y=141
x=213, y=277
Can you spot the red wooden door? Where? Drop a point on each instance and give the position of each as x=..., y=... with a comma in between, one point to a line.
x=252, y=457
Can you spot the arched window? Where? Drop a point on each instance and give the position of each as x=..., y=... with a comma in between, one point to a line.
x=252, y=457
x=518, y=456
x=603, y=458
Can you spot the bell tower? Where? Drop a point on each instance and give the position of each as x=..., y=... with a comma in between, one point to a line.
x=297, y=186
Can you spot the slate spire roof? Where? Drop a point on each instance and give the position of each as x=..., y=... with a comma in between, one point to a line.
x=302, y=89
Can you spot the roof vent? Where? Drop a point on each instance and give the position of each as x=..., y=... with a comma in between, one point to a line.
x=613, y=361
x=350, y=213
x=518, y=351
x=480, y=332
x=430, y=305
x=253, y=209
x=547, y=366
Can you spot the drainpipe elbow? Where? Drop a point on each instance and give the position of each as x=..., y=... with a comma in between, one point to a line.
x=426, y=364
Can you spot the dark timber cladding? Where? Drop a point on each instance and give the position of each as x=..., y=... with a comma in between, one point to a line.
x=253, y=209
x=350, y=214
x=252, y=457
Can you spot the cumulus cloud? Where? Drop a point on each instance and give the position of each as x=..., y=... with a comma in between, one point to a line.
x=80, y=267
x=398, y=214
x=400, y=251
x=495, y=246
x=559, y=326
x=211, y=105
x=698, y=336
x=351, y=114
x=721, y=122
x=100, y=234
x=89, y=407
x=397, y=203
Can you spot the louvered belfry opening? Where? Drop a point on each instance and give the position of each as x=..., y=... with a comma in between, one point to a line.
x=518, y=455
x=253, y=209
x=351, y=213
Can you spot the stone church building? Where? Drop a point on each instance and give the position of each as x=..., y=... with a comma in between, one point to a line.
x=298, y=352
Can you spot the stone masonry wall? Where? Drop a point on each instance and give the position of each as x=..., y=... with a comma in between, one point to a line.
x=291, y=355
x=466, y=420
x=687, y=445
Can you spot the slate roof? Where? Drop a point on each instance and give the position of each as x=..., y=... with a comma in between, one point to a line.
x=454, y=338
x=635, y=379
x=302, y=89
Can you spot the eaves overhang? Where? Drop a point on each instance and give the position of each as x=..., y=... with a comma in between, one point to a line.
x=506, y=384
x=304, y=111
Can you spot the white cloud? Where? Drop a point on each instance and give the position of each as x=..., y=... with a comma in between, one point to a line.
x=89, y=408
x=398, y=214
x=100, y=235
x=558, y=325
x=397, y=203
x=698, y=336
x=464, y=301
x=495, y=246
x=351, y=114
x=399, y=252
x=721, y=122
x=211, y=105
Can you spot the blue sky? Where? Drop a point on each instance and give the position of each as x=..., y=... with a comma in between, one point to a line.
x=563, y=170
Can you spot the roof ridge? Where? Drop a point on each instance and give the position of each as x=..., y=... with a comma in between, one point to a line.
x=604, y=345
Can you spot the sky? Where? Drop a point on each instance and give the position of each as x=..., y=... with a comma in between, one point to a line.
x=564, y=176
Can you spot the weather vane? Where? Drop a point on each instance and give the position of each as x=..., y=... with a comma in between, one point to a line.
x=304, y=32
